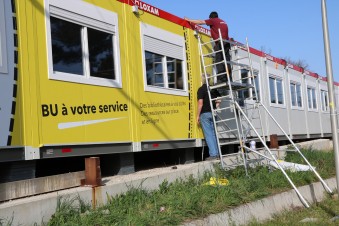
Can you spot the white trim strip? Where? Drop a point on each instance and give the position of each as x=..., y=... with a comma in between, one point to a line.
x=67, y=125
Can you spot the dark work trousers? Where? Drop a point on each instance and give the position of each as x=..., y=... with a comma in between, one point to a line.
x=219, y=57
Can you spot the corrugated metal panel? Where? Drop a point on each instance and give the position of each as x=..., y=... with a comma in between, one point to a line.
x=163, y=48
x=14, y=171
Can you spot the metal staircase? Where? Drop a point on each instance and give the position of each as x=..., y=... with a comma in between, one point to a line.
x=238, y=119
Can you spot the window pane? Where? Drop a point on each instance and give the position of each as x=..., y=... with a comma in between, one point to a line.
x=66, y=47
x=244, y=76
x=154, y=69
x=325, y=101
x=245, y=80
x=100, y=46
x=309, y=97
x=174, y=73
x=272, y=90
x=293, y=94
x=256, y=80
x=179, y=75
x=299, y=97
x=170, y=65
x=314, y=99
x=171, y=77
x=280, y=92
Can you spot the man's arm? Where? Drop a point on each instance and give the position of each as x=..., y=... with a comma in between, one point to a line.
x=195, y=21
x=200, y=104
x=217, y=103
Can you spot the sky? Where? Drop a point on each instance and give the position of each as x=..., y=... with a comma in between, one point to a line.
x=290, y=28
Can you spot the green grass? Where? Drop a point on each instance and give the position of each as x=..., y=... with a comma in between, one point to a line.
x=323, y=211
x=188, y=199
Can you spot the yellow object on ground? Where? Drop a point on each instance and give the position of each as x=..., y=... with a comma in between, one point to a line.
x=214, y=182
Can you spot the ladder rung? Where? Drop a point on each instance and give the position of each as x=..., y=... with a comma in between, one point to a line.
x=227, y=131
x=210, y=65
x=231, y=142
x=220, y=85
x=231, y=154
x=247, y=77
x=235, y=86
x=221, y=98
x=221, y=109
x=224, y=120
x=207, y=43
x=222, y=73
x=211, y=53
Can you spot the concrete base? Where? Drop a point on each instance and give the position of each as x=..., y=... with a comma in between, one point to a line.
x=264, y=209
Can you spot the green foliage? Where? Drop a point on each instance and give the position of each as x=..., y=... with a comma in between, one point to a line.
x=6, y=222
x=68, y=210
x=187, y=199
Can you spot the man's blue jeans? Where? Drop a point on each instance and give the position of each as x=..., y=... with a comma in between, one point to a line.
x=206, y=120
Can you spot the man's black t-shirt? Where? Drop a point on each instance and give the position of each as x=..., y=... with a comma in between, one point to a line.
x=202, y=94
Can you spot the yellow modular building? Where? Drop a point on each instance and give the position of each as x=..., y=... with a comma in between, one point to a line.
x=88, y=77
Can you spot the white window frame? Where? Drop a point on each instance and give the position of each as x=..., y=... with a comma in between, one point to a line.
x=171, y=38
x=89, y=16
x=3, y=42
x=296, y=95
x=308, y=98
x=276, y=104
x=324, y=101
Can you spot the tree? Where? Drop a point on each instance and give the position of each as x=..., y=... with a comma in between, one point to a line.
x=299, y=63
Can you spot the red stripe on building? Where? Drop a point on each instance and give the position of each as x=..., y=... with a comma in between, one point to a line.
x=180, y=21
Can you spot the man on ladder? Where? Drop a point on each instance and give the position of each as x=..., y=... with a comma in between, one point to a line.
x=215, y=24
x=205, y=118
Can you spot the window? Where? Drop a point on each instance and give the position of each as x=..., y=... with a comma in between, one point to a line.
x=156, y=67
x=312, y=99
x=164, y=61
x=84, y=49
x=246, y=79
x=324, y=100
x=3, y=50
x=276, y=90
x=296, y=97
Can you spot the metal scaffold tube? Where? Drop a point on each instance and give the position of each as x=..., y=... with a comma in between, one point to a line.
x=328, y=189
x=329, y=73
x=302, y=199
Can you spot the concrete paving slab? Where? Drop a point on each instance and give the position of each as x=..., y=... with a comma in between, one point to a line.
x=265, y=208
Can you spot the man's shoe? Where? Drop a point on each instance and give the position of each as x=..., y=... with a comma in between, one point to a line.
x=211, y=158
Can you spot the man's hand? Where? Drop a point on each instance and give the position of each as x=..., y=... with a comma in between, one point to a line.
x=199, y=22
x=198, y=119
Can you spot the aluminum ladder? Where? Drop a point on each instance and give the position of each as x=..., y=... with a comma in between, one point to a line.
x=240, y=107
